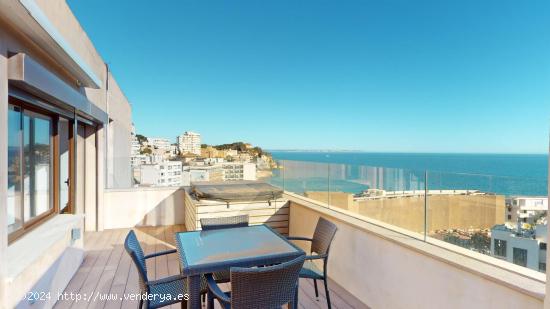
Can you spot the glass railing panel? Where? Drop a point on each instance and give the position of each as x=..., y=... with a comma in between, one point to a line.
x=390, y=195
x=503, y=217
x=309, y=179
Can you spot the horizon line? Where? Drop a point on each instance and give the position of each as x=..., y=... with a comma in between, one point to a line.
x=402, y=152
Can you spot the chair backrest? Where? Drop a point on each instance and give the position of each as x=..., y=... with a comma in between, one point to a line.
x=323, y=235
x=132, y=246
x=224, y=222
x=265, y=287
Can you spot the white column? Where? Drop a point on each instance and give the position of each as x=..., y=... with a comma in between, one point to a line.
x=3, y=170
x=101, y=174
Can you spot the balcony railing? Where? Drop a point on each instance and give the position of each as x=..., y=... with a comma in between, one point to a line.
x=472, y=211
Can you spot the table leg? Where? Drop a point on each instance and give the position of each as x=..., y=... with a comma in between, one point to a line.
x=194, y=290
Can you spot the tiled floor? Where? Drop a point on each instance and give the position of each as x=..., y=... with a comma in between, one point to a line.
x=107, y=269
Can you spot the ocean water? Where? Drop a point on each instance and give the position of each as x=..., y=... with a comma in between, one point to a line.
x=507, y=174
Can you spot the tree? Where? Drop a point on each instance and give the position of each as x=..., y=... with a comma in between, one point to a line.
x=141, y=139
x=146, y=151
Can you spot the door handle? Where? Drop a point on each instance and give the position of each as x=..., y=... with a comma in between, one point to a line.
x=67, y=181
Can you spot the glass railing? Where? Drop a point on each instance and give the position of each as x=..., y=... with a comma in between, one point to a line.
x=502, y=217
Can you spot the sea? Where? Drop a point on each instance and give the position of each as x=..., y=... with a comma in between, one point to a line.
x=506, y=174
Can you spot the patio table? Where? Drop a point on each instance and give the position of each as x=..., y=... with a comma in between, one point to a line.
x=203, y=252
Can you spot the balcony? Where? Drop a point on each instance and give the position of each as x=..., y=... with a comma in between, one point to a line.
x=108, y=272
x=402, y=241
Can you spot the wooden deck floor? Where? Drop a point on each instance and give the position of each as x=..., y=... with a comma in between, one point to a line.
x=108, y=270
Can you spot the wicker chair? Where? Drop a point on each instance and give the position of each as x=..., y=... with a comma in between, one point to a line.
x=320, y=244
x=224, y=222
x=172, y=288
x=261, y=287
x=208, y=224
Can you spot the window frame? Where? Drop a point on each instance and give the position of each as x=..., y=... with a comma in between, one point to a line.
x=503, y=245
x=514, y=259
x=29, y=225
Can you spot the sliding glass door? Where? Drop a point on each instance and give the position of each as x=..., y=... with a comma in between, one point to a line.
x=39, y=160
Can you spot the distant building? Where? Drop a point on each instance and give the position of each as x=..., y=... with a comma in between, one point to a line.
x=134, y=143
x=243, y=157
x=524, y=247
x=135, y=147
x=239, y=171
x=159, y=143
x=190, y=142
x=140, y=159
x=163, y=174
x=525, y=209
x=202, y=173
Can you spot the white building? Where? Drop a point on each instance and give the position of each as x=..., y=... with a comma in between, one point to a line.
x=526, y=248
x=163, y=174
x=190, y=142
x=141, y=159
x=162, y=144
x=239, y=171
x=134, y=143
x=198, y=173
x=526, y=209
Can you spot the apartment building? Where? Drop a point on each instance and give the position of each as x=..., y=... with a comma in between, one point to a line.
x=524, y=247
x=164, y=174
x=59, y=100
x=190, y=142
x=138, y=160
x=526, y=209
x=159, y=143
x=199, y=173
x=239, y=171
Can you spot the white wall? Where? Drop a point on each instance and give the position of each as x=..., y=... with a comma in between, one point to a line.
x=143, y=206
x=383, y=273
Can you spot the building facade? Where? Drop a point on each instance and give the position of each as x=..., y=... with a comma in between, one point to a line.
x=64, y=115
x=526, y=209
x=159, y=143
x=523, y=247
x=239, y=171
x=164, y=174
x=190, y=142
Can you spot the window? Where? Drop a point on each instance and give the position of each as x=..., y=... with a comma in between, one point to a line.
x=542, y=246
x=500, y=247
x=30, y=165
x=542, y=267
x=509, y=217
x=15, y=168
x=520, y=257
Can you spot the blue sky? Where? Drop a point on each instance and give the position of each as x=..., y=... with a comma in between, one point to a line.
x=407, y=76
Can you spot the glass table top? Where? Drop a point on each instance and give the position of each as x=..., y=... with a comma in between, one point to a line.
x=233, y=244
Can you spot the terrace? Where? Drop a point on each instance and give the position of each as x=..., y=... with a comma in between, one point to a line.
x=108, y=270
x=406, y=239
x=376, y=260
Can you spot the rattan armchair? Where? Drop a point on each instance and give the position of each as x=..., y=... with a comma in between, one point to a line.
x=224, y=222
x=169, y=290
x=320, y=244
x=208, y=224
x=261, y=287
